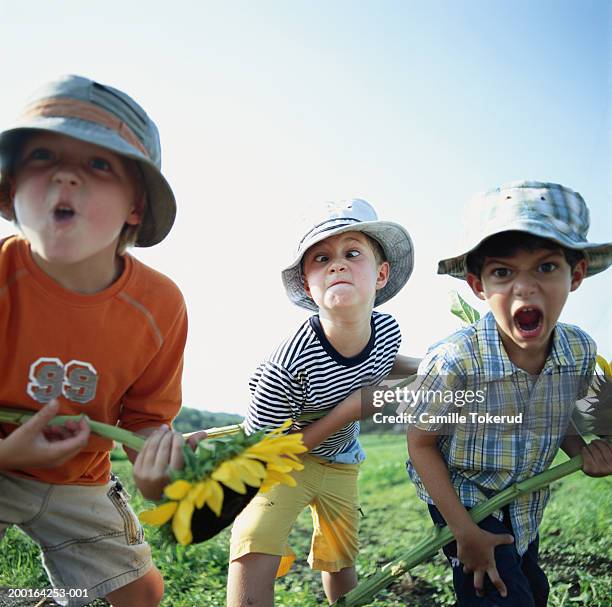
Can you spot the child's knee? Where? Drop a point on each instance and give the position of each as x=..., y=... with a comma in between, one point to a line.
x=146, y=591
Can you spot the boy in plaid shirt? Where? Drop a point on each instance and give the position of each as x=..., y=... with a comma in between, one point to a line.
x=528, y=251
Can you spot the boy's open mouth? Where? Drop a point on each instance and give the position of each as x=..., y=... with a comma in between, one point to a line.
x=63, y=212
x=528, y=320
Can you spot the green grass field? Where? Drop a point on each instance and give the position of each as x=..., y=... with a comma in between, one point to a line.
x=575, y=545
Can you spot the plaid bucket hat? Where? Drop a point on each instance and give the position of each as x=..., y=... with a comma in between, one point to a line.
x=354, y=216
x=102, y=115
x=548, y=210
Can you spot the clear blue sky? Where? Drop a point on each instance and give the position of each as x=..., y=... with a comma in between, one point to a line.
x=268, y=108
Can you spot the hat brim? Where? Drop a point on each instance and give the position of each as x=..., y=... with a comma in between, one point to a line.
x=598, y=256
x=160, y=209
x=392, y=237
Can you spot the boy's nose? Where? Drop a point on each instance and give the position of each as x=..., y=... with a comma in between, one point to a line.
x=524, y=285
x=65, y=175
x=338, y=265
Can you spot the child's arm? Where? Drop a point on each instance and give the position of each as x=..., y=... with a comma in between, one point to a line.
x=36, y=445
x=405, y=366
x=596, y=456
x=475, y=546
x=353, y=408
x=349, y=410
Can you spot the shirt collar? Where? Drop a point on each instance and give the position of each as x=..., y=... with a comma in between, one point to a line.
x=495, y=360
x=561, y=354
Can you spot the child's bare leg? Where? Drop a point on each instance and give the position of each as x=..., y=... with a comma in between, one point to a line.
x=146, y=591
x=250, y=580
x=338, y=583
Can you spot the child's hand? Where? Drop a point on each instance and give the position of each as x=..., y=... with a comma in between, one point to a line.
x=162, y=451
x=36, y=445
x=193, y=438
x=476, y=551
x=597, y=458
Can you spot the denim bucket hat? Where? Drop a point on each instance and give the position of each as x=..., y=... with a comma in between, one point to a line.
x=548, y=210
x=102, y=115
x=354, y=216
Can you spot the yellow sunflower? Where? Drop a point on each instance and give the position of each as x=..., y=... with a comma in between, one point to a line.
x=604, y=365
x=263, y=465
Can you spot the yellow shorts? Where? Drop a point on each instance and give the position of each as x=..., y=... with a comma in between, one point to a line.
x=331, y=492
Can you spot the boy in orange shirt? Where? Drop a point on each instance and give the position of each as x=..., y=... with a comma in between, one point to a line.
x=87, y=329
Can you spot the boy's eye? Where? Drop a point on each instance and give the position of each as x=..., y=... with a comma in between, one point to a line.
x=100, y=164
x=501, y=272
x=40, y=154
x=353, y=253
x=321, y=258
x=547, y=267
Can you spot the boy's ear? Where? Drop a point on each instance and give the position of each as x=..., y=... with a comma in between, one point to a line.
x=578, y=274
x=476, y=285
x=306, y=287
x=383, y=275
x=137, y=211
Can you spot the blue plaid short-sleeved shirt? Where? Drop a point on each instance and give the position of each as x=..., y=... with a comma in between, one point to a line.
x=485, y=458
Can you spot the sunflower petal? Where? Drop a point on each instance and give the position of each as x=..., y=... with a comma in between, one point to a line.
x=280, y=467
x=274, y=478
x=251, y=472
x=605, y=366
x=215, y=498
x=160, y=515
x=177, y=490
x=181, y=523
x=201, y=493
x=281, y=429
x=255, y=468
x=229, y=474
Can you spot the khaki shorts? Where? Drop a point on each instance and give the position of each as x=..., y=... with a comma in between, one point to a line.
x=92, y=542
x=331, y=492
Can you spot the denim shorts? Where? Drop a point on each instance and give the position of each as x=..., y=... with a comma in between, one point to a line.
x=91, y=541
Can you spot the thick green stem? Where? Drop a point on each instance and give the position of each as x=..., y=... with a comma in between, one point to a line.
x=429, y=546
x=125, y=437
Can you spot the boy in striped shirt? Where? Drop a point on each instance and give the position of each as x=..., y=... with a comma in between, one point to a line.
x=345, y=265
x=526, y=251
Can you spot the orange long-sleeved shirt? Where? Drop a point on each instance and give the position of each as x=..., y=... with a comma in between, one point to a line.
x=116, y=355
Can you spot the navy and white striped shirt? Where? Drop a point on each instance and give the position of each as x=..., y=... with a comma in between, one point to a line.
x=306, y=374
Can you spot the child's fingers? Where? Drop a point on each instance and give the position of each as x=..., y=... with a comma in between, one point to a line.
x=164, y=450
x=148, y=454
x=588, y=464
x=63, y=450
x=597, y=458
x=58, y=432
x=177, y=460
x=497, y=581
x=38, y=421
x=602, y=450
x=479, y=582
x=196, y=437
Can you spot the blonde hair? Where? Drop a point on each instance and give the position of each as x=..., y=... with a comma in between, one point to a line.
x=379, y=252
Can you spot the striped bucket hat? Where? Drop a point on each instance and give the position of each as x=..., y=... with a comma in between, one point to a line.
x=548, y=210
x=354, y=216
x=99, y=114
